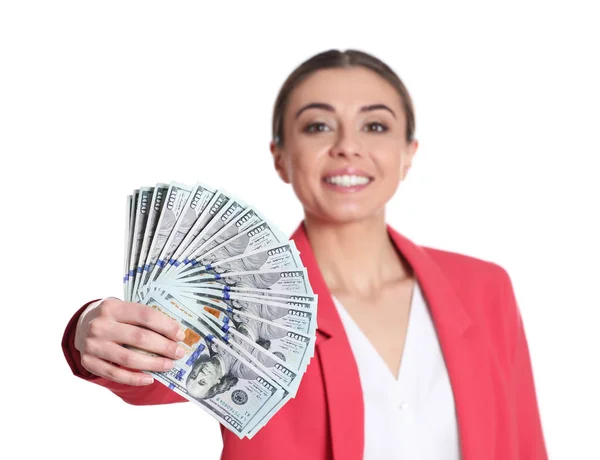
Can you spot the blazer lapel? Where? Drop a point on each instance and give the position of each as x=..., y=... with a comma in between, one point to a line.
x=463, y=346
x=338, y=366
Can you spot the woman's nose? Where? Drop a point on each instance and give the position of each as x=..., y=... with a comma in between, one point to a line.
x=346, y=144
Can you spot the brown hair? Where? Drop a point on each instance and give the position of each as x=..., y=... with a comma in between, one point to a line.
x=340, y=59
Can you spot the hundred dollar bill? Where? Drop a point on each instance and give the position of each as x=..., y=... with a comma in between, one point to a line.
x=246, y=334
x=298, y=316
x=133, y=210
x=156, y=205
x=273, y=257
x=293, y=347
x=255, y=350
x=274, y=295
x=141, y=217
x=215, y=377
x=248, y=342
x=290, y=281
x=254, y=238
x=248, y=219
x=227, y=213
x=218, y=202
x=236, y=297
x=232, y=294
x=175, y=200
x=275, y=361
x=196, y=203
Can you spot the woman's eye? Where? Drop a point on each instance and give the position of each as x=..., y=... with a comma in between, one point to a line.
x=377, y=127
x=321, y=127
x=316, y=127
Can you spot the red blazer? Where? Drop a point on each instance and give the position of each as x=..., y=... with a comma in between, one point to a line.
x=483, y=342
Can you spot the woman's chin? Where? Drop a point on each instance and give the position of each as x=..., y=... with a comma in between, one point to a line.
x=348, y=214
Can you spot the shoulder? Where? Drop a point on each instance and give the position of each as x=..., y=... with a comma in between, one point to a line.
x=475, y=281
x=485, y=290
x=482, y=285
x=462, y=268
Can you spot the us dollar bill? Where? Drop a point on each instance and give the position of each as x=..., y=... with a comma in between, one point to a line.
x=195, y=205
x=293, y=384
x=234, y=296
x=175, y=200
x=250, y=240
x=246, y=219
x=133, y=209
x=290, y=281
x=252, y=343
x=227, y=213
x=141, y=217
x=273, y=257
x=254, y=350
x=156, y=205
x=216, y=377
x=218, y=201
x=256, y=353
x=297, y=316
x=252, y=347
x=242, y=223
x=293, y=347
x=257, y=293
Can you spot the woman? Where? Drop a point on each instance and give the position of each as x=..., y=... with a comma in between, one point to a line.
x=420, y=353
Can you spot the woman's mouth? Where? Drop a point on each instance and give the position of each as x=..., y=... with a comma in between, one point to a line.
x=347, y=182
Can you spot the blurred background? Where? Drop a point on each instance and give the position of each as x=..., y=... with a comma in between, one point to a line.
x=98, y=98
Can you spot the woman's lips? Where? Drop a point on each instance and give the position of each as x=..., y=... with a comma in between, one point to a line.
x=347, y=180
x=346, y=171
x=345, y=188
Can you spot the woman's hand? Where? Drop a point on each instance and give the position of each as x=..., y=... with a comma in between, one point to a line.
x=103, y=330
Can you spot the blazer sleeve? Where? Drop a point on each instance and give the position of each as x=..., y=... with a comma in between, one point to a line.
x=156, y=393
x=531, y=442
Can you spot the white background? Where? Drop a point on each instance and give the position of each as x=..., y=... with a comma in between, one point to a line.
x=97, y=98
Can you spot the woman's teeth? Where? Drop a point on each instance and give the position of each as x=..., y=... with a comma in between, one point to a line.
x=348, y=181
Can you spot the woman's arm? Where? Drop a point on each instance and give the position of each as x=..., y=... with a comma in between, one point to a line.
x=529, y=428
x=155, y=393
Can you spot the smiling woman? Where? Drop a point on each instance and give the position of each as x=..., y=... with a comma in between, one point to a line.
x=420, y=353
x=343, y=126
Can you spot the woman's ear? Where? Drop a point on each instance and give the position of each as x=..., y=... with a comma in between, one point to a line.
x=278, y=162
x=408, y=157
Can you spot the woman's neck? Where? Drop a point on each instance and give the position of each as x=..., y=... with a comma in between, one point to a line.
x=356, y=258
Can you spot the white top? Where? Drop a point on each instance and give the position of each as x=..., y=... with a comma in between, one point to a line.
x=410, y=416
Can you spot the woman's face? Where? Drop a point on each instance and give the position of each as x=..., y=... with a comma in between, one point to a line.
x=345, y=148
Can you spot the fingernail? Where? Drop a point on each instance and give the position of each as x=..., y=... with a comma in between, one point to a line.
x=180, y=335
x=168, y=365
x=147, y=380
x=179, y=352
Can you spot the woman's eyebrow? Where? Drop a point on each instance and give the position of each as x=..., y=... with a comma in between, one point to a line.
x=330, y=108
x=368, y=108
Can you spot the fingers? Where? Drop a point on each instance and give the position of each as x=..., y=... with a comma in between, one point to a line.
x=132, y=359
x=118, y=323
x=109, y=371
x=142, y=315
x=144, y=339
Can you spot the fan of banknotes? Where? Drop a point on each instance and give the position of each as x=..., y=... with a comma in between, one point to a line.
x=238, y=288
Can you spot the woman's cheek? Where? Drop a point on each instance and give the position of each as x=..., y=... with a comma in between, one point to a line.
x=303, y=169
